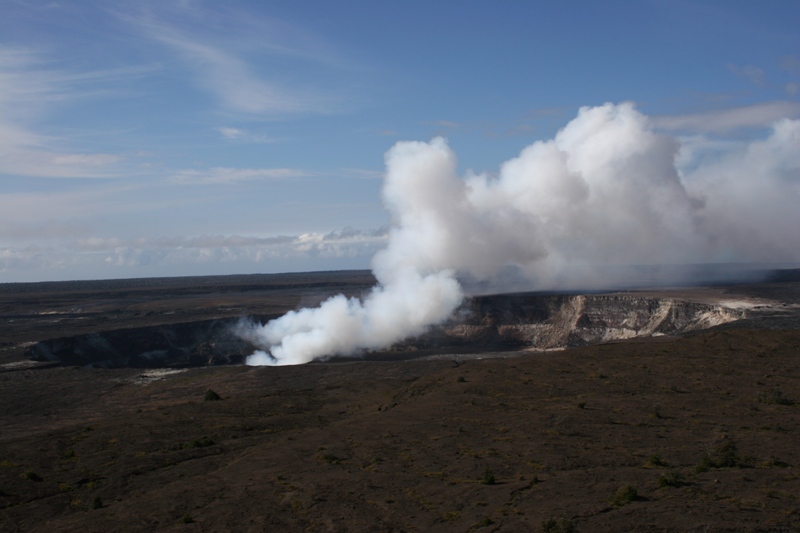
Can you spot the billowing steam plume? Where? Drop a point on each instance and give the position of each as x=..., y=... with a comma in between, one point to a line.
x=606, y=191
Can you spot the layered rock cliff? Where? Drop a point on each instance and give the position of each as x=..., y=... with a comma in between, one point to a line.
x=559, y=321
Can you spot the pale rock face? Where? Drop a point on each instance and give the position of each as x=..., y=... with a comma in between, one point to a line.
x=552, y=322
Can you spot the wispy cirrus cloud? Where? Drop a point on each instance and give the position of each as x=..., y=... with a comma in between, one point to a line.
x=228, y=175
x=232, y=133
x=361, y=173
x=759, y=115
x=751, y=73
x=24, y=213
x=29, y=86
x=246, y=136
x=251, y=64
x=30, y=80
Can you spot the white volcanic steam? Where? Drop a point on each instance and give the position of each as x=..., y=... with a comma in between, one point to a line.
x=605, y=191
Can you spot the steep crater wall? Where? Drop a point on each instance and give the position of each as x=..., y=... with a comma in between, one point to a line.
x=485, y=323
x=544, y=322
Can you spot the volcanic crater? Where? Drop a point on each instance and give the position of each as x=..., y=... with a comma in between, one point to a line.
x=494, y=323
x=661, y=410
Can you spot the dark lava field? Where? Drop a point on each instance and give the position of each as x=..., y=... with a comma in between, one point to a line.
x=125, y=406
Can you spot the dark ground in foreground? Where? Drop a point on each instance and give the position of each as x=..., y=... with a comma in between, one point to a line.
x=703, y=429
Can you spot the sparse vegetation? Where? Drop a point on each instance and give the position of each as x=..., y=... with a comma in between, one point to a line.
x=671, y=479
x=562, y=525
x=774, y=397
x=722, y=455
x=187, y=519
x=451, y=516
x=484, y=522
x=202, y=442
x=331, y=459
x=655, y=460
x=772, y=462
x=31, y=476
x=624, y=496
x=211, y=396
x=313, y=451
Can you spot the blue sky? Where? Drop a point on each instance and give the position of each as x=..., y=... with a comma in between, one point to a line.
x=186, y=137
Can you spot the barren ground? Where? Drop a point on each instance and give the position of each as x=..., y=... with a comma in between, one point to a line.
x=704, y=427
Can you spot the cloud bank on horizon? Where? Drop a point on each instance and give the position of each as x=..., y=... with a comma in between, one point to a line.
x=605, y=190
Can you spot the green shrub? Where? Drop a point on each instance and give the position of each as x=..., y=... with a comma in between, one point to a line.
x=484, y=522
x=488, y=478
x=199, y=443
x=723, y=455
x=563, y=525
x=211, y=396
x=624, y=496
x=773, y=461
x=31, y=476
x=332, y=459
x=655, y=460
x=774, y=397
x=704, y=465
x=671, y=479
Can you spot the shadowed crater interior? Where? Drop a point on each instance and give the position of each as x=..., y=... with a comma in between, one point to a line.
x=202, y=343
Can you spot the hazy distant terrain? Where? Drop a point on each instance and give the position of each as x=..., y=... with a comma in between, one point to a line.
x=684, y=431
